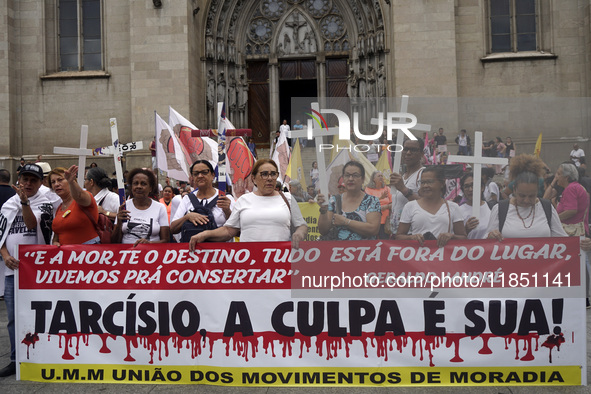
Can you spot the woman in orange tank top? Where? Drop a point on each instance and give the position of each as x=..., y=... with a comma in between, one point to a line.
x=76, y=215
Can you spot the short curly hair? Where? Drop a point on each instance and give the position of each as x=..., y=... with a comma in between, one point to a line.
x=526, y=168
x=147, y=172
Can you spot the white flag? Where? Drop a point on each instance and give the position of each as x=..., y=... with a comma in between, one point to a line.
x=281, y=157
x=169, y=154
x=194, y=148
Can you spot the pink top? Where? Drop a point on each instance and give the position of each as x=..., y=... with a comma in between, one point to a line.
x=575, y=197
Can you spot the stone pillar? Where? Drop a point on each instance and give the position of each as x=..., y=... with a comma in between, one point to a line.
x=8, y=86
x=159, y=62
x=274, y=95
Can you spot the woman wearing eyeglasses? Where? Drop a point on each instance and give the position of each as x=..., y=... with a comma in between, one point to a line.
x=261, y=216
x=407, y=183
x=354, y=213
x=201, y=178
x=431, y=216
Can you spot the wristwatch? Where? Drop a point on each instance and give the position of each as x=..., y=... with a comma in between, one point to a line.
x=26, y=202
x=408, y=194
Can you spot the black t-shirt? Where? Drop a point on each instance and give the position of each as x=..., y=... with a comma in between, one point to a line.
x=440, y=140
x=5, y=193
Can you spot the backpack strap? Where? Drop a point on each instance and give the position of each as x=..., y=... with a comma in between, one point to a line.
x=547, y=205
x=196, y=203
x=285, y=199
x=194, y=200
x=503, y=209
x=210, y=205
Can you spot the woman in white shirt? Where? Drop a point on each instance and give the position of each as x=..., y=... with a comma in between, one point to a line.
x=431, y=216
x=202, y=177
x=525, y=215
x=142, y=220
x=315, y=174
x=265, y=215
x=98, y=183
x=475, y=228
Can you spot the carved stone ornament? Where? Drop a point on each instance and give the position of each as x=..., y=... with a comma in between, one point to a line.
x=332, y=27
x=318, y=8
x=273, y=9
x=260, y=30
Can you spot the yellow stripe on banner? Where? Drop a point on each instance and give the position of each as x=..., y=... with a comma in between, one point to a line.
x=310, y=376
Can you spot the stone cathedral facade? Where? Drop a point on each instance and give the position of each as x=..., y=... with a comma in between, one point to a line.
x=506, y=67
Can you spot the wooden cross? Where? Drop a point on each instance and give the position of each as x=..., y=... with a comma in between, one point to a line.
x=317, y=134
x=117, y=150
x=81, y=152
x=477, y=161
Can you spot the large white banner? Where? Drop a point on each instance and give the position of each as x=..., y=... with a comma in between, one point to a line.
x=262, y=314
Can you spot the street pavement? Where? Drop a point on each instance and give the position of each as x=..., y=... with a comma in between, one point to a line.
x=11, y=385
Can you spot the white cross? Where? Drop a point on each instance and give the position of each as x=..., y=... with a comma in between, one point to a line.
x=477, y=161
x=116, y=152
x=317, y=134
x=400, y=135
x=82, y=152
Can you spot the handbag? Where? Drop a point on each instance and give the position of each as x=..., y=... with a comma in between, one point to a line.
x=104, y=226
x=333, y=232
x=388, y=224
x=574, y=230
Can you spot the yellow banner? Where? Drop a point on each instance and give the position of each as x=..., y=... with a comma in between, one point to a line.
x=311, y=212
x=310, y=376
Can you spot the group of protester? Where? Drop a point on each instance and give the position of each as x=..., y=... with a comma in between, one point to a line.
x=62, y=212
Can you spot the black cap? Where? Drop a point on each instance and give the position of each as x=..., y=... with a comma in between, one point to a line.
x=33, y=169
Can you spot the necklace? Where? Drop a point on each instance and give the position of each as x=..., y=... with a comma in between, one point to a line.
x=532, y=213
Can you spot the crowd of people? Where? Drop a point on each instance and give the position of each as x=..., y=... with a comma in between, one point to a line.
x=48, y=206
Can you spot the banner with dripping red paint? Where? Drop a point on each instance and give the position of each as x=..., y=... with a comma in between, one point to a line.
x=364, y=313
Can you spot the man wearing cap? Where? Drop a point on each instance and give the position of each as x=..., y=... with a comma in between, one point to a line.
x=21, y=223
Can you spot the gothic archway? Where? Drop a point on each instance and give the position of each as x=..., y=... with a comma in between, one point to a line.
x=247, y=40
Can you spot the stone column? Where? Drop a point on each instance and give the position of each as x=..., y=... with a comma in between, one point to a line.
x=274, y=95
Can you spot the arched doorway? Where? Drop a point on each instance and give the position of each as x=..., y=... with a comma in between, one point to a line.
x=259, y=53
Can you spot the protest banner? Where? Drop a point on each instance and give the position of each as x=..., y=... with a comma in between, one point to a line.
x=311, y=213
x=244, y=314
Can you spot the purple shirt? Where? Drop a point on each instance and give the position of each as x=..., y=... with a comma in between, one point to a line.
x=574, y=197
